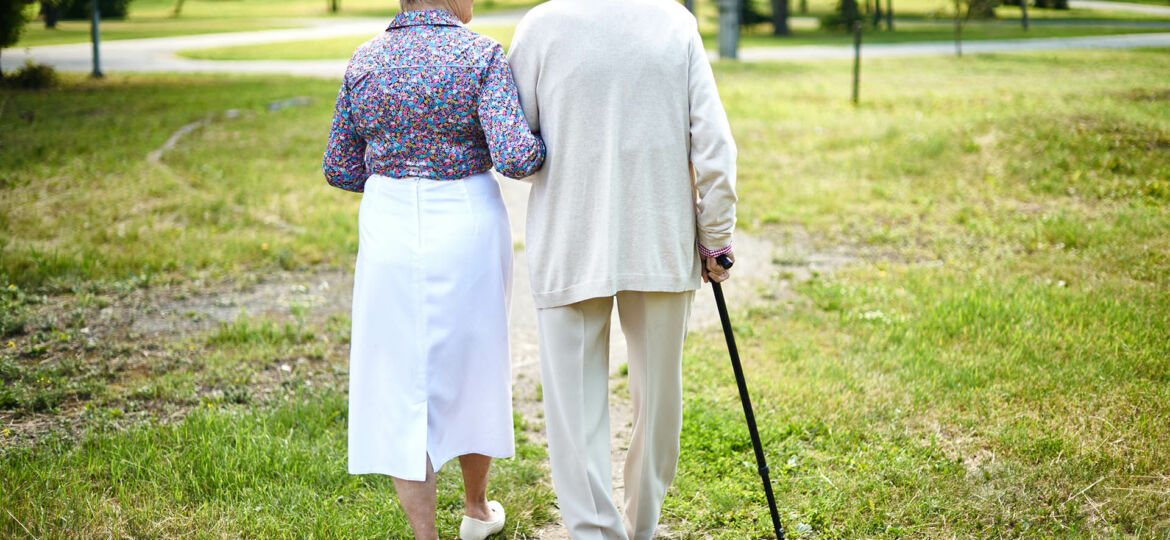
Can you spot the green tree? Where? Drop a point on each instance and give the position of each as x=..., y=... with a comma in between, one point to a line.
x=750, y=13
x=13, y=17
x=81, y=9
x=843, y=17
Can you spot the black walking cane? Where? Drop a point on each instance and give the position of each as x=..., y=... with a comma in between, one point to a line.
x=726, y=262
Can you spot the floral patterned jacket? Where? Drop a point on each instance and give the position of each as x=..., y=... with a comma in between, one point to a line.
x=431, y=99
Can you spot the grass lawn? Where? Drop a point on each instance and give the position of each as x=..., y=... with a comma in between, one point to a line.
x=36, y=34
x=938, y=9
x=990, y=361
x=994, y=361
x=154, y=18
x=319, y=49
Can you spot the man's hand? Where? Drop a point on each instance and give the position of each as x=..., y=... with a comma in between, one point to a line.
x=713, y=272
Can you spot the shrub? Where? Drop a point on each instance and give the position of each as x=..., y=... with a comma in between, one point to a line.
x=80, y=9
x=32, y=77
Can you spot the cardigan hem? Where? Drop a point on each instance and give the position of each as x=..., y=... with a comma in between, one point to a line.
x=610, y=287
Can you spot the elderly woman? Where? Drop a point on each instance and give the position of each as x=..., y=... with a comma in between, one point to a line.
x=426, y=109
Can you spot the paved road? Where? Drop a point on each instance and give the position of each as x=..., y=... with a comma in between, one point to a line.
x=154, y=55
x=160, y=54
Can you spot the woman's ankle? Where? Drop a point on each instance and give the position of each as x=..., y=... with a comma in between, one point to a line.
x=477, y=509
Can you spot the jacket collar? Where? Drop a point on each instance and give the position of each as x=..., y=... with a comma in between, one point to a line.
x=425, y=17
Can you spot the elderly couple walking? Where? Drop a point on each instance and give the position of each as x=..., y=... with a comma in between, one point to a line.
x=609, y=109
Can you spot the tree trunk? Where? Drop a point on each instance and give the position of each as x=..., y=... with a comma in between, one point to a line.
x=51, y=12
x=333, y=5
x=780, y=18
x=877, y=13
x=178, y=8
x=890, y=15
x=691, y=6
x=729, y=28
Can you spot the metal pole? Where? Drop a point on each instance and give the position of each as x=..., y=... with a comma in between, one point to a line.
x=729, y=29
x=856, y=61
x=741, y=382
x=95, y=34
x=958, y=31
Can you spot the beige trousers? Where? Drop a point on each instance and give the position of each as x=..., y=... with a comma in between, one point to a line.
x=574, y=365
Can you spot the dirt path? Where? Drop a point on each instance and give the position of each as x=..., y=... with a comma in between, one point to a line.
x=161, y=312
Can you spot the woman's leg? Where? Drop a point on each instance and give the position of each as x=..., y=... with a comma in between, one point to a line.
x=475, y=478
x=418, y=501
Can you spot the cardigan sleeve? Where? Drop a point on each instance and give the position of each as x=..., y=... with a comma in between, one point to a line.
x=712, y=153
x=516, y=151
x=523, y=57
x=344, y=164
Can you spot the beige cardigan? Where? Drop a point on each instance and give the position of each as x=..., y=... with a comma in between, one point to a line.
x=623, y=93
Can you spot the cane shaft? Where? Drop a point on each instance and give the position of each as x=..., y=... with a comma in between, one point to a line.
x=741, y=382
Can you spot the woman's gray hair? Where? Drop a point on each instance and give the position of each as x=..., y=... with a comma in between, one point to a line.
x=412, y=4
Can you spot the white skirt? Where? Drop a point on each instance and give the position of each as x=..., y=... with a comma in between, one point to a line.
x=429, y=367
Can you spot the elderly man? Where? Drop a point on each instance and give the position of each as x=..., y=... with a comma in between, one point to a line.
x=623, y=94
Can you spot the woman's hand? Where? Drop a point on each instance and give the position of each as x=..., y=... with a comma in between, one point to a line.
x=713, y=272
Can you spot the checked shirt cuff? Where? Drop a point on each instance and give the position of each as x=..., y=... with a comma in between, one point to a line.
x=713, y=252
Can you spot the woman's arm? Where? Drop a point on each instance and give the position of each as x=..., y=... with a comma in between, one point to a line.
x=345, y=156
x=516, y=151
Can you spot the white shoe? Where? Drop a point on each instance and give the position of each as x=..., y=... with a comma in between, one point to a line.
x=474, y=529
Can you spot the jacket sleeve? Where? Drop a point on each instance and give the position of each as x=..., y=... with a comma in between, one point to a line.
x=712, y=154
x=345, y=155
x=516, y=151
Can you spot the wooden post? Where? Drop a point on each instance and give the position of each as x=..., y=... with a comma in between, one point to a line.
x=729, y=29
x=958, y=30
x=96, y=34
x=856, y=61
x=1024, y=14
